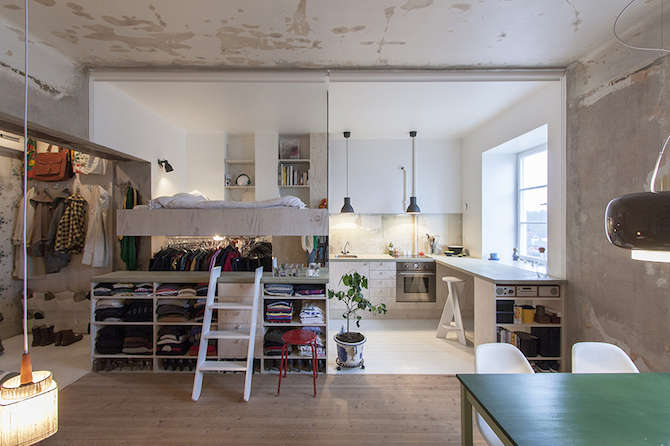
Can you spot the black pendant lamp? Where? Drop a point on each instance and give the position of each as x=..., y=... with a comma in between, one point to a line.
x=413, y=208
x=347, y=208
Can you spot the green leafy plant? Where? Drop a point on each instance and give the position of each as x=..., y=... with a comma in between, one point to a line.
x=354, y=300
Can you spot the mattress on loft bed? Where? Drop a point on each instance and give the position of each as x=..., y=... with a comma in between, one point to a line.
x=197, y=200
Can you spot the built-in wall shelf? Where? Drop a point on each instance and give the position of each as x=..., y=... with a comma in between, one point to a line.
x=239, y=162
x=239, y=187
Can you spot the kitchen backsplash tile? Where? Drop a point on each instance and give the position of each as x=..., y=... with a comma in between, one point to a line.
x=371, y=233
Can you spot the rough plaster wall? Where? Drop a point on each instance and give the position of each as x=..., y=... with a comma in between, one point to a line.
x=614, y=132
x=57, y=88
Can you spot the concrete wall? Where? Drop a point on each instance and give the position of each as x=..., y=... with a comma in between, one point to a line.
x=57, y=88
x=617, y=121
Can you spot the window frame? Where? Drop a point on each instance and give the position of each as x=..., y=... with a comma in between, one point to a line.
x=519, y=191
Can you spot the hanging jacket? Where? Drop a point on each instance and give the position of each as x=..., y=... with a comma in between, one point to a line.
x=55, y=261
x=71, y=233
x=38, y=234
x=95, y=249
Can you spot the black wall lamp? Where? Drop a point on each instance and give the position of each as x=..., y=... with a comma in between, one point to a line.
x=165, y=165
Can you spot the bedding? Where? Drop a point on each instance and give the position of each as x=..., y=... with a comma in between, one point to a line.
x=197, y=200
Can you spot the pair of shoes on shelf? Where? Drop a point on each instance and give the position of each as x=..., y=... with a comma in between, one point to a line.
x=67, y=337
x=43, y=335
x=180, y=364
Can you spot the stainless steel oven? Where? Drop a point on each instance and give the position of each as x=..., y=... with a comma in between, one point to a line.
x=415, y=282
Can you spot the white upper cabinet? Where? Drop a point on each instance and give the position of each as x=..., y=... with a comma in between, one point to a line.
x=377, y=183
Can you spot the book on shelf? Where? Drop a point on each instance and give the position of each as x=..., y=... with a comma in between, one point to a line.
x=291, y=176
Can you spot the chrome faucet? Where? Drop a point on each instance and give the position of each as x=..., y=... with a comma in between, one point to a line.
x=344, y=250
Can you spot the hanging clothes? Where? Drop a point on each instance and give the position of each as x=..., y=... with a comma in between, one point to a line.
x=71, y=233
x=55, y=261
x=38, y=234
x=95, y=249
x=128, y=243
x=35, y=265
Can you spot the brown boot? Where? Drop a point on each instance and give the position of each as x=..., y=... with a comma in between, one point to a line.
x=36, y=335
x=59, y=337
x=47, y=335
x=70, y=338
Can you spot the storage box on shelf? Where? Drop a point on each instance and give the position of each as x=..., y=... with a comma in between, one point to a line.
x=531, y=317
x=291, y=303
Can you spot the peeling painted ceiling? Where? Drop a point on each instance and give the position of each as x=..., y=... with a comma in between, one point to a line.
x=317, y=34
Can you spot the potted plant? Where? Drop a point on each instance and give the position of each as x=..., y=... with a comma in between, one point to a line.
x=350, y=343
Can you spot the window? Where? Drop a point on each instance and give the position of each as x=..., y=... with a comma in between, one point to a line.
x=532, y=202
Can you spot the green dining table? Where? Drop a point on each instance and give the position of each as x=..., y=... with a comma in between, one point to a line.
x=566, y=409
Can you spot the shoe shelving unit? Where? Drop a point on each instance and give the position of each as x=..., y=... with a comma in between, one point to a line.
x=231, y=287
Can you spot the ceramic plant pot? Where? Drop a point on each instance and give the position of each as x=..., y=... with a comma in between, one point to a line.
x=349, y=354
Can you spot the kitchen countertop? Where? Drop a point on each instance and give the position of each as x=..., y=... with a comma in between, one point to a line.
x=379, y=258
x=490, y=270
x=494, y=271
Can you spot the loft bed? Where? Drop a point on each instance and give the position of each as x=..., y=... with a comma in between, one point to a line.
x=194, y=214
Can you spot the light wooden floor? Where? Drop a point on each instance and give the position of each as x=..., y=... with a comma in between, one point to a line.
x=156, y=409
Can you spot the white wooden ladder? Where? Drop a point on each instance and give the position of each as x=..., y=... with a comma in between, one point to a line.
x=204, y=365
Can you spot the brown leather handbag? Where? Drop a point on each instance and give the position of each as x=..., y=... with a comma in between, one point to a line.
x=53, y=166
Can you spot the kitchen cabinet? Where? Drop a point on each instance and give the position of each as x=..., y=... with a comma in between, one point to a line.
x=337, y=270
x=382, y=283
x=377, y=183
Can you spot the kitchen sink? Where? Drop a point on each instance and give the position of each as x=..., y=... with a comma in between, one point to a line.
x=346, y=256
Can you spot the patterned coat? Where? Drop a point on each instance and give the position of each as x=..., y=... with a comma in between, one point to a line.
x=71, y=234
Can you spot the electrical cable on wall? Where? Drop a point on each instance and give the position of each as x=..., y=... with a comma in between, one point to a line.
x=663, y=50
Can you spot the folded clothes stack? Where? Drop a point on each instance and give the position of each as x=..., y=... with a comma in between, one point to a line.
x=109, y=310
x=272, y=342
x=279, y=311
x=167, y=289
x=194, y=339
x=186, y=291
x=143, y=289
x=173, y=341
x=309, y=290
x=201, y=289
x=279, y=289
x=139, y=310
x=174, y=310
x=109, y=340
x=103, y=289
x=137, y=341
x=123, y=289
x=311, y=314
x=306, y=350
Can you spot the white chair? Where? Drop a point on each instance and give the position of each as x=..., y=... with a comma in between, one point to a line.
x=498, y=358
x=600, y=357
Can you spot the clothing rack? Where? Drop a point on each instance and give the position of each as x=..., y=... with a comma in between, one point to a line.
x=243, y=244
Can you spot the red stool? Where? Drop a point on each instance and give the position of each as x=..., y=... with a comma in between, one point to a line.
x=298, y=337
